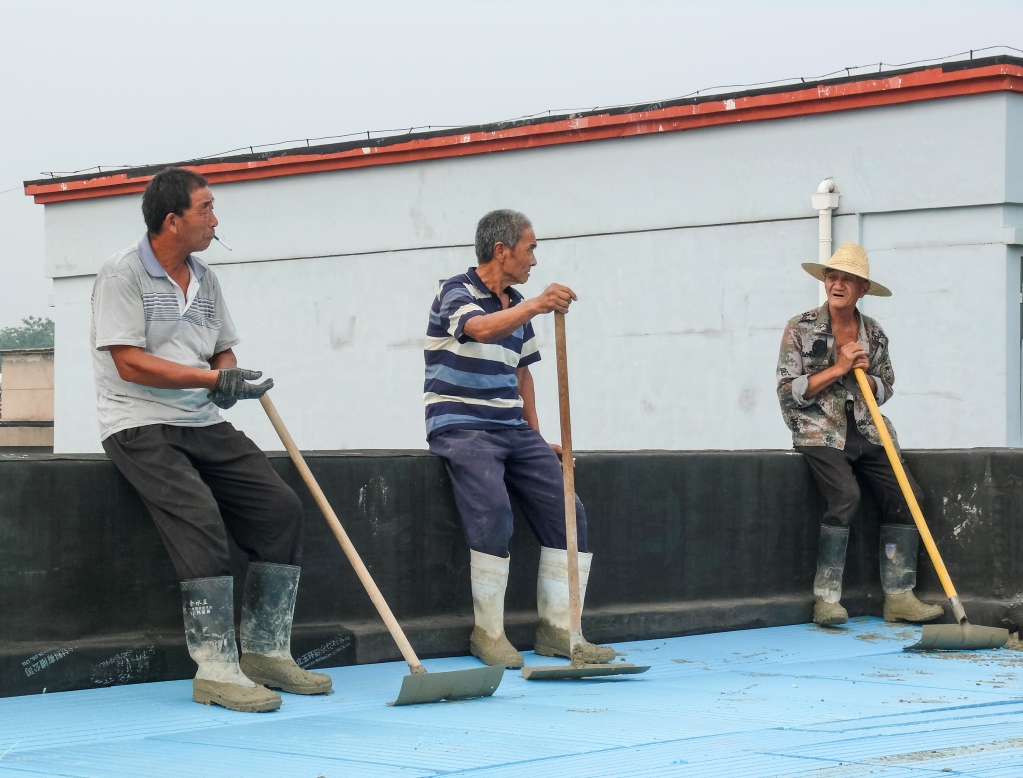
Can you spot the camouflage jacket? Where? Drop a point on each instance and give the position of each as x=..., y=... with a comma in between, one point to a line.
x=808, y=347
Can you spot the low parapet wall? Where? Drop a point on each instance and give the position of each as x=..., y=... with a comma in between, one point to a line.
x=684, y=542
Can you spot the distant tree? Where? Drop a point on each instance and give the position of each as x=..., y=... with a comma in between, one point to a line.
x=34, y=333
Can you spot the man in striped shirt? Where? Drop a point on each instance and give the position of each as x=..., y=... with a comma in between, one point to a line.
x=481, y=418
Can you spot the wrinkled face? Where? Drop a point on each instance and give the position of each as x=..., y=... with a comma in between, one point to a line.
x=844, y=289
x=521, y=259
x=197, y=225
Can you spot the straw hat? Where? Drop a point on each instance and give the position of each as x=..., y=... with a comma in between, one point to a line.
x=850, y=258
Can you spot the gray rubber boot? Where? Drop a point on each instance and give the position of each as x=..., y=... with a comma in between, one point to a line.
x=268, y=610
x=900, y=545
x=208, y=605
x=488, y=643
x=827, y=585
x=1013, y=618
x=552, y=637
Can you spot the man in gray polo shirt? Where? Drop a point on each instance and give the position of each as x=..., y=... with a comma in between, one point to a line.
x=162, y=354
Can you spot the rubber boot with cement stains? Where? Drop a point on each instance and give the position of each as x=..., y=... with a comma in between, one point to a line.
x=1013, y=618
x=268, y=610
x=488, y=643
x=208, y=605
x=827, y=585
x=552, y=637
x=900, y=544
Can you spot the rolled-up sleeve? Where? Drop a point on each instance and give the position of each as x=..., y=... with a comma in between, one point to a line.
x=792, y=381
x=882, y=372
x=880, y=395
x=799, y=386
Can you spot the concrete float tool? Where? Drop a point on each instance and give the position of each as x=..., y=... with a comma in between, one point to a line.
x=576, y=669
x=941, y=637
x=420, y=686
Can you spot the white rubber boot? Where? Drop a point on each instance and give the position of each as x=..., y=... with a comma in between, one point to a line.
x=268, y=612
x=208, y=605
x=900, y=545
x=827, y=585
x=488, y=642
x=552, y=634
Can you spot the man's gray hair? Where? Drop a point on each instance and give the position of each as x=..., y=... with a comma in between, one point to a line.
x=503, y=226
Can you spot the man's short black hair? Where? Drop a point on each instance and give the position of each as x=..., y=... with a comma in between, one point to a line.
x=170, y=191
x=503, y=226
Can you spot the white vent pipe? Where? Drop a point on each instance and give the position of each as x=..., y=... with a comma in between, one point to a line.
x=825, y=201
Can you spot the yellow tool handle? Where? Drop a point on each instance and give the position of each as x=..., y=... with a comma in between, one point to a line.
x=907, y=491
x=342, y=537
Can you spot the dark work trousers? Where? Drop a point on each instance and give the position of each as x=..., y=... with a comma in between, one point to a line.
x=486, y=466
x=200, y=483
x=836, y=475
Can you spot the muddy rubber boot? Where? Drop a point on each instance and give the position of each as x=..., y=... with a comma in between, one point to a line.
x=552, y=603
x=208, y=605
x=488, y=643
x=268, y=609
x=827, y=585
x=900, y=544
x=1013, y=618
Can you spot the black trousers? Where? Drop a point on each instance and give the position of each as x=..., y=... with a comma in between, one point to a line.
x=199, y=483
x=836, y=474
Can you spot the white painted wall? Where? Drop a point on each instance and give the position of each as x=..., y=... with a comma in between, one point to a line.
x=674, y=340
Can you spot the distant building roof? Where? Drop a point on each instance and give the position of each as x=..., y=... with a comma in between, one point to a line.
x=48, y=349
x=927, y=82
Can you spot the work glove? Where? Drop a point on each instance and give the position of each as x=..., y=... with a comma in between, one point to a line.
x=232, y=386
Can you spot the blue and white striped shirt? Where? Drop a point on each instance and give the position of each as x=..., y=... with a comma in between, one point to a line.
x=472, y=385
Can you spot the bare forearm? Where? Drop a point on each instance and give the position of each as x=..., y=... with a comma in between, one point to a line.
x=528, y=395
x=825, y=378
x=820, y=381
x=494, y=326
x=223, y=360
x=136, y=366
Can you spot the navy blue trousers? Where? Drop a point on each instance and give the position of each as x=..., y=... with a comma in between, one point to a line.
x=487, y=467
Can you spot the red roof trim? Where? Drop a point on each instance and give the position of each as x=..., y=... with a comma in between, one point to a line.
x=905, y=88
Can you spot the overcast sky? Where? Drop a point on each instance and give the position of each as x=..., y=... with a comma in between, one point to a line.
x=102, y=82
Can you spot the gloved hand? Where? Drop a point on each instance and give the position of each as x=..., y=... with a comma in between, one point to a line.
x=232, y=386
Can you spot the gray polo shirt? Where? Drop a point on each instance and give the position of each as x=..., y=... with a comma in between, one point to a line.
x=134, y=303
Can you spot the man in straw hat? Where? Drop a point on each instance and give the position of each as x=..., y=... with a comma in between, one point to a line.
x=831, y=426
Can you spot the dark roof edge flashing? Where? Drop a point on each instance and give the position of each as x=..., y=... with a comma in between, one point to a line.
x=389, y=140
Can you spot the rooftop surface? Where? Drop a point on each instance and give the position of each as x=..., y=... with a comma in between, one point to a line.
x=786, y=701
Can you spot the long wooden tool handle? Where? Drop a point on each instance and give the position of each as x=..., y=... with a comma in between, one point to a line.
x=907, y=491
x=342, y=537
x=568, y=471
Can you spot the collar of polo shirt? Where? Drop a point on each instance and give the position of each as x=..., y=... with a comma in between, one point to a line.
x=155, y=269
x=514, y=295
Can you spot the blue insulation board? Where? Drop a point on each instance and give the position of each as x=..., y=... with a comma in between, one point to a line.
x=787, y=701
